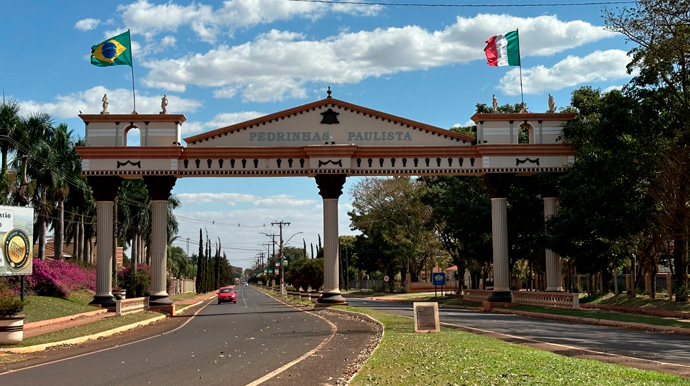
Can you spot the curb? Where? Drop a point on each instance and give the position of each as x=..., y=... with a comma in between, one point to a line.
x=73, y=341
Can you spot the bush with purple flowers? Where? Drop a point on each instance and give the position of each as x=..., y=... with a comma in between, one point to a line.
x=59, y=278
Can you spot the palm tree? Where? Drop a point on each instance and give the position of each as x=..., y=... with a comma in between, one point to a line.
x=9, y=122
x=31, y=134
x=44, y=174
x=69, y=166
x=133, y=216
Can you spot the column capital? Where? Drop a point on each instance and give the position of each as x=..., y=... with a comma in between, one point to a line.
x=159, y=186
x=330, y=185
x=104, y=188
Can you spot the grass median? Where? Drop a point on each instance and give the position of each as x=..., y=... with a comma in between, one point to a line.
x=454, y=357
x=96, y=327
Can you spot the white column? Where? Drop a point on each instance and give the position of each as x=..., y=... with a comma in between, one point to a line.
x=159, y=244
x=499, y=234
x=104, y=227
x=554, y=270
x=330, y=188
x=331, y=282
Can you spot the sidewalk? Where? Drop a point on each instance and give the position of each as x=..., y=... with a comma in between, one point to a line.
x=70, y=321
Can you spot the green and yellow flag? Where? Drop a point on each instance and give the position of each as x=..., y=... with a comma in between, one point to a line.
x=112, y=52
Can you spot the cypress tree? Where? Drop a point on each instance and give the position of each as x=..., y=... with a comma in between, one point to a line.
x=200, y=265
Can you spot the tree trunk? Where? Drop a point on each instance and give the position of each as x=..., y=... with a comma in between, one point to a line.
x=88, y=251
x=58, y=239
x=42, y=219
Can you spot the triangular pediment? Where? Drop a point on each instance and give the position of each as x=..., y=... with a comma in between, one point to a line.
x=329, y=121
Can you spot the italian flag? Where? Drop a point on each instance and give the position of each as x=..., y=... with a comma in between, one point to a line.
x=503, y=49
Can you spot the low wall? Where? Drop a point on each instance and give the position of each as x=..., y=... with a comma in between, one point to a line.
x=126, y=306
x=530, y=298
x=547, y=299
x=450, y=286
x=182, y=286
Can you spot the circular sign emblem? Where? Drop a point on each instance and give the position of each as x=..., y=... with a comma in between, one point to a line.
x=16, y=249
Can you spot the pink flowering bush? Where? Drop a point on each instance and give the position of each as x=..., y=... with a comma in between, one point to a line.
x=59, y=278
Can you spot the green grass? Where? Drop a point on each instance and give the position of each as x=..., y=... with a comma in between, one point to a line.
x=604, y=315
x=638, y=301
x=620, y=300
x=454, y=357
x=44, y=307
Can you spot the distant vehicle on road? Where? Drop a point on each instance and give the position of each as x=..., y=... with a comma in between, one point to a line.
x=227, y=294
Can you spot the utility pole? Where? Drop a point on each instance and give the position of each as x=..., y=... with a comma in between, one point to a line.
x=280, y=254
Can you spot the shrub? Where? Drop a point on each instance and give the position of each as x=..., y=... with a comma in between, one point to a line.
x=9, y=304
x=59, y=278
x=143, y=280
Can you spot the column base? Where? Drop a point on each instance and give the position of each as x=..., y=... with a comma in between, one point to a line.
x=331, y=299
x=160, y=300
x=554, y=289
x=103, y=301
x=501, y=296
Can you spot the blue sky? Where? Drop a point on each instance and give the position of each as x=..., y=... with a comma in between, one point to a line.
x=225, y=62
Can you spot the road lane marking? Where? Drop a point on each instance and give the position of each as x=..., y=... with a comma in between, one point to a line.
x=334, y=330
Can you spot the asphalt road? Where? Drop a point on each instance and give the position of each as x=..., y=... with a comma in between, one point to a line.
x=225, y=344
x=666, y=352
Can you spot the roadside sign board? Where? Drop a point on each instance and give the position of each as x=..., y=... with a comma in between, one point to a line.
x=426, y=317
x=16, y=238
x=439, y=278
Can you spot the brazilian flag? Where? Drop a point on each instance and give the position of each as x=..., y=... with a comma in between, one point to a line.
x=112, y=52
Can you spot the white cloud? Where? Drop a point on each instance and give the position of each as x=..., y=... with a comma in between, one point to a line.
x=466, y=124
x=283, y=201
x=202, y=198
x=87, y=24
x=218, y=121
x=571, y=71
x=227, y=119
x=281, y=64
x=150, y=19
x=233, y=199
x=120, y=101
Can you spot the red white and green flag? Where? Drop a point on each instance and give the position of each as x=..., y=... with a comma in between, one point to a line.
x=503, y=49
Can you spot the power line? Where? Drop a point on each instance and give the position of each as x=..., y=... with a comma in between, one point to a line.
x=439, y=5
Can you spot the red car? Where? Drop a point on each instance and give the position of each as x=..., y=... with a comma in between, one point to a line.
x=227, y=294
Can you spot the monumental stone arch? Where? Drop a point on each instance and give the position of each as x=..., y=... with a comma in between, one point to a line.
x=329, y=140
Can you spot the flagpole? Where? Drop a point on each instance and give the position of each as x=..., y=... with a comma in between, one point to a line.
x=134, y=95
x=522, y=94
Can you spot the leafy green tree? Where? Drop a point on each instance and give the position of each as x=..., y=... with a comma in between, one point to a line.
x=347, y=260
x=660, y=30
x=605, y=195
x=391, y=212
x=462, y=220
x=526, y=227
